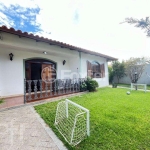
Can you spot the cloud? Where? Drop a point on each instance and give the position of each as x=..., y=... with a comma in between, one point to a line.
x=4, y=20
x=19, y=17
x=47, y=17
x=23, y=17
x=22, y=23
x=21, y=3
x=76, y=16
x=85, y=23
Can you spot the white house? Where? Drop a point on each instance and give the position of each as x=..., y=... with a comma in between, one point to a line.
x=31, y=54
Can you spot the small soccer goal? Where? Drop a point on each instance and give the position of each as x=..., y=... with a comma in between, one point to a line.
x=72, y=121
x=138, y=86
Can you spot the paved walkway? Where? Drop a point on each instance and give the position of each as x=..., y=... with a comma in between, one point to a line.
x=22, y=129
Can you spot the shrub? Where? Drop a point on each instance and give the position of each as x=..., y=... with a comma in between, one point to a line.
x=83, y=87
x=91, y=84
x=1, y=101
x=114, y=85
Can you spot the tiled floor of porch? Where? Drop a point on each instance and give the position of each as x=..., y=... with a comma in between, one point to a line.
x=18, y=101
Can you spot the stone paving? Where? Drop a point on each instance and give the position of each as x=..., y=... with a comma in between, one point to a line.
x=20, y=129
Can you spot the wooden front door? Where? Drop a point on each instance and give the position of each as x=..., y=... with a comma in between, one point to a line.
x=46, y=75
x=40, y=69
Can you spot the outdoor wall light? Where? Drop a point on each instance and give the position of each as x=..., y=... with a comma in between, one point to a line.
x=45, y=53
x=64, y=61
x=11, y=56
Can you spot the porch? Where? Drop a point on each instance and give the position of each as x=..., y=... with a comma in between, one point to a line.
x=40, y=89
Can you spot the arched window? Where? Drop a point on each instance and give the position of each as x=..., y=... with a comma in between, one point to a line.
x=95, y=70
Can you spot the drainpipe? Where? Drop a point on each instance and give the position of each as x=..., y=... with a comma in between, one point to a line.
x=80, y=62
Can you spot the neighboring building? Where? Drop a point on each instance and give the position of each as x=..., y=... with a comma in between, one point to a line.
x=32, y=54
x=145, y=78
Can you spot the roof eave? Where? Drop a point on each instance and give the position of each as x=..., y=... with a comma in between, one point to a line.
x=53, y=42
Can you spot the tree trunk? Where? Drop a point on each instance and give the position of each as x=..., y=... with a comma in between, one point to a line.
x=118, y=79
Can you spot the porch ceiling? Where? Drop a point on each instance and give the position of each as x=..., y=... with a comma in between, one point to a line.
x=38, y=51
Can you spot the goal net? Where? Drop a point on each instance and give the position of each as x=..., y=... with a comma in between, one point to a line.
x=138, y=86
x=72, y=121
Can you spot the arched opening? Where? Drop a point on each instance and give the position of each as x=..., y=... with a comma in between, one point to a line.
x=37, y=69
x=96, y=73
x=41, y=82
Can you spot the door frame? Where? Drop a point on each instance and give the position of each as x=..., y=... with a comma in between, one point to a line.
x=24, y=60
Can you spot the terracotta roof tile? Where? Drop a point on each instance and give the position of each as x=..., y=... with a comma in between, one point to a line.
x=19, y=31
x=53, y=42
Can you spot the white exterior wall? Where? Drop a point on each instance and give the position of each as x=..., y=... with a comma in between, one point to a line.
x=145, y=78
x=12, y=73
x=84, y=57
x=74, y=67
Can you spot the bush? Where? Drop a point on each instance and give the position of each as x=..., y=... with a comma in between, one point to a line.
x=114, y=85
x=83, y=87
x=91, y=84
x=1, y=101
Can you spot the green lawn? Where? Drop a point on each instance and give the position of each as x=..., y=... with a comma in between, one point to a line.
x=118, y=121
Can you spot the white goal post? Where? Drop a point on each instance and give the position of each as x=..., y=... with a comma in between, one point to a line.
x=72, y=121
x=136, y=84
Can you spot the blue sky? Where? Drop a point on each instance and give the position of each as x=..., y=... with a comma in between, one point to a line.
x=91, y=24
x=21, y=18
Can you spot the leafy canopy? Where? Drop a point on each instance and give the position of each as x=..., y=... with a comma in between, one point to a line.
x=135, y=66
x=111, y=74
x=118, y=69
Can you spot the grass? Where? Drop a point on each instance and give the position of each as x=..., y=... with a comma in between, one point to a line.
x=117, y=121
x=129, y=86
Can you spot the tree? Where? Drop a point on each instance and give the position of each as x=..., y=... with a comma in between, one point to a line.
x=144, y=24
x=118, y=69
x=135, y=68
x=111, y=74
